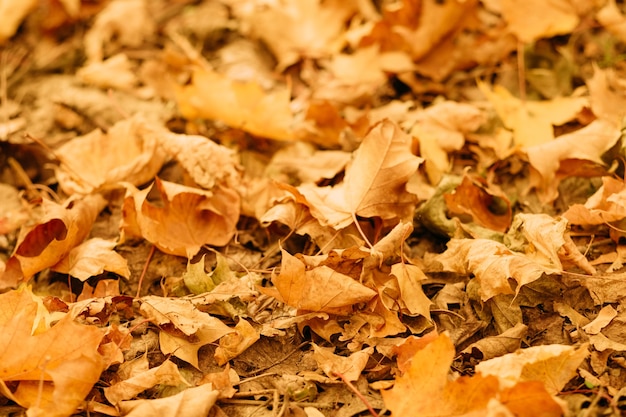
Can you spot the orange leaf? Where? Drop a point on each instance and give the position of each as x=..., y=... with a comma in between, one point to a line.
x=58, y=232
x=318, y=289
x=54, y=368
x=188, y=218
x=375, y=181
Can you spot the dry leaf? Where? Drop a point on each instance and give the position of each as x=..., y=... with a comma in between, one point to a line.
x=554, y=365
x=128, y=152
x=333, y=365
x=192, y=402
x=317, y=289
x=493, y=264
x=59, y=230
x=535, y=19
x=12, y=13
x=92, y=258
x=241, y=105
x=532, y=121
x=374, y=184
x=586, y=144
x=187, y=218
x=166, y=374
x=234, y=344
x=49, y=370
x=306, y=28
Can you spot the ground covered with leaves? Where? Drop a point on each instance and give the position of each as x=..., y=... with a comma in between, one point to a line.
x=312, y=208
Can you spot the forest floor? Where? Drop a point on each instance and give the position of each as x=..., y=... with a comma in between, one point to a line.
x=312, y=208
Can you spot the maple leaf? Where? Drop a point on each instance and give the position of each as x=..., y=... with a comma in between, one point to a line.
x=532, y=121
x=188, y=219
x=607, y=204
x=425, y=389
x=374, y=184
x=192, y=402
x=141, y=378
x=333, y=365
x=60, y=229
x=317, y=289
x=492, y=264
x=234, y=344
x=306, y=28
x=55, y=367
x=186, y=328
x=586, y=144
x=128, y=152
x=92, y=258
x=240, y=104
x=554, y=365
x=536, y=19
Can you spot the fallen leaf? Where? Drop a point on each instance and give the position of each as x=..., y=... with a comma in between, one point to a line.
x=554, y=365
x=192, y=402
x=317, y=289
x=235, y=343
x=492, y=264
x=374, y=184
x=486, y=203
x=586, y=144
x=334, y=365
x=91, y=258
x=187, y=219
x=60, y=229
x=241, y=105
x=49, y=373
x=532, y=121
x=13, y=12
x=412, y=295
x=306, y=28
x=128, y=152
x=166, y=374
x=537, y=19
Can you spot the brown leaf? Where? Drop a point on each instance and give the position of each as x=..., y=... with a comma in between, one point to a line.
x=535, y=19
x=332, y=365
x=241, y=105
x=192, y=402
x=554, y=365
x=374, y=184
x=480, y=200
x=54, y=367
x=188, y=219
x=57, y=233
x=234, y=344
x=92, y=258
x=140, y=380
x=316, y=289
x=128, y=152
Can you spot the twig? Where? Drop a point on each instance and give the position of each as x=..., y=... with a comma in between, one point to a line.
x=521, y=71
x=145, y=269
x=357, y=393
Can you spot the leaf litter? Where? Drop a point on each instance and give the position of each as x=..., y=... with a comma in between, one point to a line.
x=312, y=208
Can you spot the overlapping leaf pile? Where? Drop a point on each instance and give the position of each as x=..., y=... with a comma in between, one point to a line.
x=312, y=207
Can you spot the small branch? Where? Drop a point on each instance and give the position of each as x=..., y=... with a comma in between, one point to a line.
x=145, y=269
x=357, y=393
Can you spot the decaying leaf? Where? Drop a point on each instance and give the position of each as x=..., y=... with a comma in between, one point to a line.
x=316, y=289
x=333, y=365
x=192, y=402
x=128, y=152
x=239, y=104
x=374, y=184
x=187, y=219
x=92, y=258
x=60, y=229
x=41, y=368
